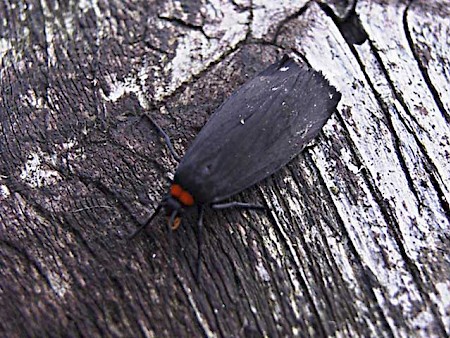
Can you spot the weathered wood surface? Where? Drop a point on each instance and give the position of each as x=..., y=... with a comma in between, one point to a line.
x=356, y=242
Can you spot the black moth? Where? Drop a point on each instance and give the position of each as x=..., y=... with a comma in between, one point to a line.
x=259, y=129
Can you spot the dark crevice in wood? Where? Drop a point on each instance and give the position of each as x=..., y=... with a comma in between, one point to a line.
x=429, y=163
x=186, y=290
x=142, y=157
x=430, y=167
x=395, y=137
x=209, y=295
x=43, y=240
x=286, y=20
x=240, y=253
x=306, y=247
x=89, y=201
x=388, y=213
x=266, y=258
x=9, y=120
x=368, y=286
x=185, y=24
x=251, y=18
x=23, y=253
x=432, y=172
x=277, y=289
x=43, y=66
x=239, y=279
x=349, y=25
x=152, y=47
x=423, y=69
x=314, y=219
x=321, y=330
x=144, y=310
x=262, y=42
x=374, y=191
x=156, y=105
x=386, y=209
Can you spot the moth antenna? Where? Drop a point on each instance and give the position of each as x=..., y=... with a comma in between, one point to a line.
x=166, y=139
x=142, y=227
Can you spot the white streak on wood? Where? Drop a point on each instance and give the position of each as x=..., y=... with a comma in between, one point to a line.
x=106, y=26
x=267, y=14
x=132, y=84
x=274, y=246
x=5, y=47
x=202, y=321
x=224, y=29
x=423, y=115
x=35, y=174
x=12, y=47
x=442, y=297
x=57, y=283
x=146, y=331
x=434, y=218
x=430, y=32
x=423, y=120
x=86, y=5
x=4, y=192
x=49, y=31
x=370, y=232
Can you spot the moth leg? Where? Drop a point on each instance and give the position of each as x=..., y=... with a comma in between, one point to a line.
x=166, y=138
x=142, y=227
x=241, y=205
x=236, y=204
x=199, y=243
x=171, y=246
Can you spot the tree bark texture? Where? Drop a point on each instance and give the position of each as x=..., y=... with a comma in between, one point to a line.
x=356, y=239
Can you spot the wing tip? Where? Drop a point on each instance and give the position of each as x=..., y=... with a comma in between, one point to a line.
x=319, y=77
x=288, y=64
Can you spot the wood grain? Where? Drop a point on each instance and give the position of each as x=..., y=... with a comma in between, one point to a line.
x=356, y=238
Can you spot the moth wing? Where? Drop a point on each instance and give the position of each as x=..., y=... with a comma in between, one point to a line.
x=259, y=129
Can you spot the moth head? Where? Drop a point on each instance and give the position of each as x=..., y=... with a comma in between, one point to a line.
x=175, y=202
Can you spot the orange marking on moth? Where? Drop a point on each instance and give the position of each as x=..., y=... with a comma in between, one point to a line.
x=176, y=190
x=186, y=198
x=176, y=223
x=182, y=195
